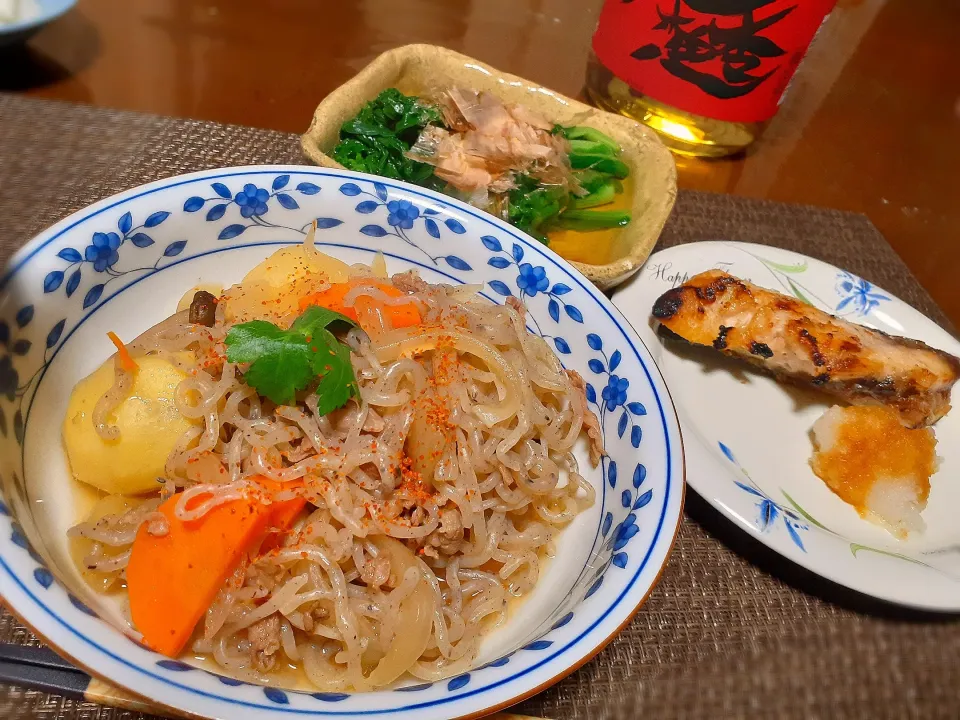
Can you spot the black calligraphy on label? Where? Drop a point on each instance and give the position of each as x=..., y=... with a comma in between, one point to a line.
x=725, y=62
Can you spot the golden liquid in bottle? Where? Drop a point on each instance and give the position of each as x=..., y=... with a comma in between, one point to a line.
x=683, y=132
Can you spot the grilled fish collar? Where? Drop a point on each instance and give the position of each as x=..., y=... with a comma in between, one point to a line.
x=797, y=342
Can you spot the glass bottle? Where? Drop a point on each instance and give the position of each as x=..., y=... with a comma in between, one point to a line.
x=705, y=74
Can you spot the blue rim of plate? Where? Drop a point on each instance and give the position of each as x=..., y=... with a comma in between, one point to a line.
x=670, y=495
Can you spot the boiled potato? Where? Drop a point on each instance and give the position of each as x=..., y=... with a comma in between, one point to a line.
x=272, y=290
x=149, y=423
x=293, y=263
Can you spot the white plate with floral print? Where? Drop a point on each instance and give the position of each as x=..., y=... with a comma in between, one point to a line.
x=123, y=263
x=747, y=437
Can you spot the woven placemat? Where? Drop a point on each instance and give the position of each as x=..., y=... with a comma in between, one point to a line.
x=732, y=629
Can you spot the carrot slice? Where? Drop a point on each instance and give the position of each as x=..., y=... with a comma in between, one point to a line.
x=282, y=514
x=365, y=310
x=126, y=359
x=173, y=579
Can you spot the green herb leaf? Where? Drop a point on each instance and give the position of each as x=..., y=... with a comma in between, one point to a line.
x=280, y=361
x=316, y=318
x=283, y=362
x=338, y=383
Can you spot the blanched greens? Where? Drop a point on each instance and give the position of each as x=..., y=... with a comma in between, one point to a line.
x=536, y=209
x=532, y=206
x=377, y=139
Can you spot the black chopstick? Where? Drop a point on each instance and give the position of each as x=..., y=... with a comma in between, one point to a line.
x=41, y=669
x=39, y=656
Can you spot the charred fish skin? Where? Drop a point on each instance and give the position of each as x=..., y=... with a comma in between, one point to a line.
x=797, y=342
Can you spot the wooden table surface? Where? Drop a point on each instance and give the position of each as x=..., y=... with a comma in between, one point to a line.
x=872, y=122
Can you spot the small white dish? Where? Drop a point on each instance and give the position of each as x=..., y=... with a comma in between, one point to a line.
x=747, y=437
x=28, y=16
x=123, y=263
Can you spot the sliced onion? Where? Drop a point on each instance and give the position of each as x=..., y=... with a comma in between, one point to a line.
x=416, y=609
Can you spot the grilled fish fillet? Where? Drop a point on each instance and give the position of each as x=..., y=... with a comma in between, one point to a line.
x=797, y=342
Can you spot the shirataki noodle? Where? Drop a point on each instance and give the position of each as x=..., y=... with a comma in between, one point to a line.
x=432, y=498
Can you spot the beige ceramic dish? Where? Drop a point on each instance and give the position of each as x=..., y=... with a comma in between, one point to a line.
x=413, y=68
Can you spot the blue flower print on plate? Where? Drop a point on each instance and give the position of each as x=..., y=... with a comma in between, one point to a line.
x=769, y=510
x=402, y=213
x=532, y=280
x=252, y=200
x=102, y=252
x=615, y=393
x=252, y=203
x=145, y=248
x=857, y=294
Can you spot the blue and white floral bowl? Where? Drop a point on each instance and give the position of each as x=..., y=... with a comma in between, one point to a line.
x=747, y=437
x=123, y=263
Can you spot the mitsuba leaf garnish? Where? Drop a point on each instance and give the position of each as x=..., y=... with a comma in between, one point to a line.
x=283, y=362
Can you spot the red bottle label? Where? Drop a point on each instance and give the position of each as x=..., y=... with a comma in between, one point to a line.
x=724, y=59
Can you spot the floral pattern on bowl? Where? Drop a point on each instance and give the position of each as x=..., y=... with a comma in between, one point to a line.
x=142, y=249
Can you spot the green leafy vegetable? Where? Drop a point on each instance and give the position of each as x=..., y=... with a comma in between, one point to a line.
x=592, y=147
x=604, y=194
x=585, y=220
x=590, y=134
x=606, y=164
x=285, y=361
x=338, y=384
x=316, y=319
x=591, y=180
x=536, y=208
x=385, y=128
x=531, y=206
x=377, y=140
